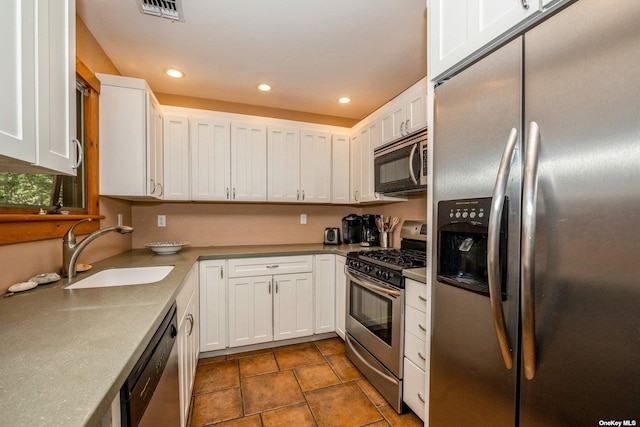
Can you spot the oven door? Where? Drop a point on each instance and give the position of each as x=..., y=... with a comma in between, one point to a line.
x=375, y=319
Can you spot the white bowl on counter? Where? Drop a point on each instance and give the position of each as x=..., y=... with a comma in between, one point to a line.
x=166, y=248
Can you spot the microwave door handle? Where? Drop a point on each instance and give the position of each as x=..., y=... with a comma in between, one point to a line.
x=493, y=248
x=411, y=171
x=527, y=259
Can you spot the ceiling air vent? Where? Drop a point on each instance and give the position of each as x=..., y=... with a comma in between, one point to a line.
x=170, y=9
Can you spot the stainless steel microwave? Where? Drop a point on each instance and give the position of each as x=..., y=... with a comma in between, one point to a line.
x=400, y=167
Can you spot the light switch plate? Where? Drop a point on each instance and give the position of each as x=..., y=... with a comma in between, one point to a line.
x=162, y=220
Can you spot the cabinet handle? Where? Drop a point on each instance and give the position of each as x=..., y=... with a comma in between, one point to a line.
x=276, y=287
x=227, y=193
x=422, y=327
x=421, y=356
x=273, y=266
x=421, y=298
x=302, y=194
x=298, y=195
x=402, y=128
x=153, y=188
x=80, y=153
x=222, y=272
x=421, y=397
x=355, y=196
x=161, y=189
x=525, y=4
x=234, y=193
x=190, y=328
x=406, y=126
x=269, y=290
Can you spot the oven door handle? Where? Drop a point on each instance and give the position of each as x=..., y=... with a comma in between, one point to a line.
x=366, y=283
x=411, y=155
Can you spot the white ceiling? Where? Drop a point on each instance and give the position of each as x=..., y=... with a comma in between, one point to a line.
x=311, y=51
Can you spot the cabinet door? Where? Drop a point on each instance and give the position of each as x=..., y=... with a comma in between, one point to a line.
x=56, y=86
x=315, y=167
x=340, y=178
x=210, y=159
x=250, y=310
x=154, y=148
x=460, y=28
x=341, y=296
x=325, y=293
x=369, y=140
x=284, y=165
x=414, y=388
x=393, y=121
x=416, y=107
x=213, y=305
x=292, y=306
x=176, y=158
x=248, y=162
x=123, y=152
x=355, y=169
x=18, y=80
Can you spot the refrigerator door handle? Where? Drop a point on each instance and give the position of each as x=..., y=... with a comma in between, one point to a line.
x=529, y=200
x=493, y=248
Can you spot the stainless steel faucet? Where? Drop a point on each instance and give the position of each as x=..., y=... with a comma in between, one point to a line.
x=71, y=251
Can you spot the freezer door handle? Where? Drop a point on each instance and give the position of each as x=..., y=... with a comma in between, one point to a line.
x=529, y=200
x=493, y=247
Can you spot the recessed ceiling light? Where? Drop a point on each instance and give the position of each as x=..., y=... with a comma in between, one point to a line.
x=172, y=72
x=264, y=87
x=344, y=100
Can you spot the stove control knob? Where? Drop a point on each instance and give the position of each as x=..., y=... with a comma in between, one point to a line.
x=378, y=272
x=386, y=275
x=368, y=269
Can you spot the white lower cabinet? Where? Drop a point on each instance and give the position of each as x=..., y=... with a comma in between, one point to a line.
x=265, y=305
x=325, y=293
x=414, y=387
x=187, y=340
x=213, y=305
x=341, y=296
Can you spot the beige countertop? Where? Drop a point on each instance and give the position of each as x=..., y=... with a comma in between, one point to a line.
x=64, y=354
x=419, y=274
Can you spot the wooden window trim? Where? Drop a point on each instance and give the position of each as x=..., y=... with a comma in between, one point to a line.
x=25, y=225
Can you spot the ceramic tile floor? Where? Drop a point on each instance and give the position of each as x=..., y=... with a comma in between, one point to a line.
x=310, y=384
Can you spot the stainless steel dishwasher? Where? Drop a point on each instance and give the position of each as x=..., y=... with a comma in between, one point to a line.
x=150, y=396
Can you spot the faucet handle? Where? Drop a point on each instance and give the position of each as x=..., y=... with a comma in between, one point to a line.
x=69, y=236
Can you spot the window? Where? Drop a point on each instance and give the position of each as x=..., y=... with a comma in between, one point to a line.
x=24, y=196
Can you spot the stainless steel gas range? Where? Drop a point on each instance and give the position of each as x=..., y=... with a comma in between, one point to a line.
x=375, y=309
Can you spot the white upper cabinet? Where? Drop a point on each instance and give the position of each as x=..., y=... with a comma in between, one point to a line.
x=462, y=30
x=355, y=167
x=37, y=82
x=315, y=166
x=176, y=158
x=405, y=114
x=248, y=162
x=131, y=164
x=340, y=181
x=369, y=140
x=284, y=165
x=210, y=159
x=299, y=165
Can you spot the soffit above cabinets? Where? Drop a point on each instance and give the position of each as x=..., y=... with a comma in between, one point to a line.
x=312, y=52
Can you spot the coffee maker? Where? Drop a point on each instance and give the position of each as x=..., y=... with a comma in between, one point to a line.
x=351, y=229
x=370, y=233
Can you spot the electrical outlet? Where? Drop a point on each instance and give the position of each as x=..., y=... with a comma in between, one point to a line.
x=162, y=220
x=303, y=218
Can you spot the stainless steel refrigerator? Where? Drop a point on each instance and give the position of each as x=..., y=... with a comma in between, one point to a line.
x=548, y=128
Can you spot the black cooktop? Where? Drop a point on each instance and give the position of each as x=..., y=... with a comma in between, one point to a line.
x=396, y=259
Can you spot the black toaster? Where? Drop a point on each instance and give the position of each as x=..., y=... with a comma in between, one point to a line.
x=332, y=236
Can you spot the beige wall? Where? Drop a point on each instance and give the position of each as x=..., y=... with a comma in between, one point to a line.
x=90, y=52
x=222, y=224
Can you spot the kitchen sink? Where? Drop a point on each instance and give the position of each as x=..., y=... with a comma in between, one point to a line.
x=123, y=276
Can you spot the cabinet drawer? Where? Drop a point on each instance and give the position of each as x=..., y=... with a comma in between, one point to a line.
x=247, y=267
x=415, y=322
x=416, y=295
x=413, y=388
x=416, y=350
